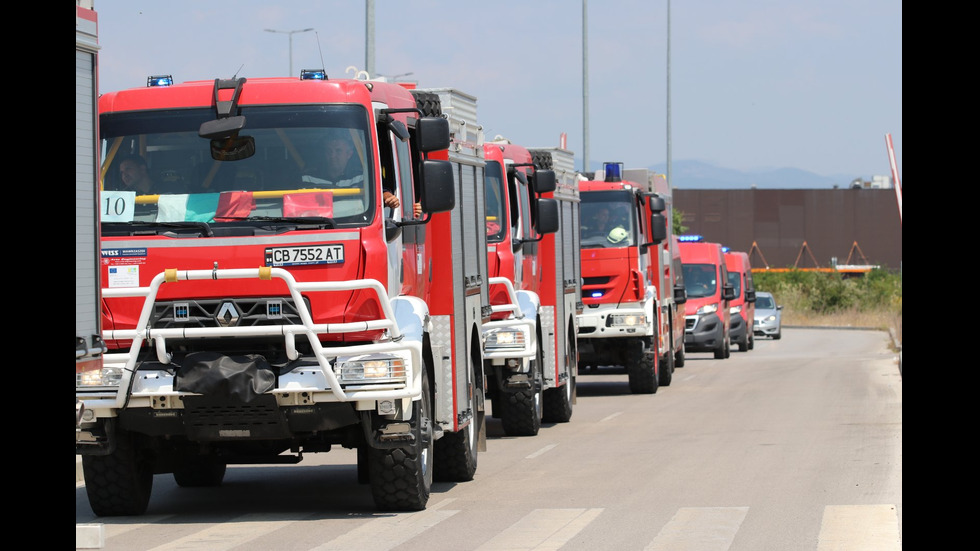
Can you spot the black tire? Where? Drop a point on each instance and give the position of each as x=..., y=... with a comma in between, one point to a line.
x=643, y=376
x=521, y=410
x=777, y=336
x=743, y=345
x=666, y=369
x=119, y=484
x=199, y=471
x=456, y=453
x=720, y=349
x=558, y=402
x=680, y=357
x=401, y=478
x=752, y=341
x=728, y=349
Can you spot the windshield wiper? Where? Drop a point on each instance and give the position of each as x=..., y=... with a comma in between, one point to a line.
x=204, y=226
x=315, y=220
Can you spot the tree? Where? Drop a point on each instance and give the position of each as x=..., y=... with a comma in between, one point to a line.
x=678, y=222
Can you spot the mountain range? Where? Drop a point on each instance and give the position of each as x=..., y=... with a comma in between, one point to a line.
x=701, y=175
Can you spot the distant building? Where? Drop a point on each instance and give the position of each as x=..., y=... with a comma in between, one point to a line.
x=785, y=228
x=877, y=182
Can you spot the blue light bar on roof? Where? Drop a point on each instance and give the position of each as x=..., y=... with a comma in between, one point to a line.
x=613, y=171
x=313, y=74
x=690, y=238
x=159, y=80
x=726, y=249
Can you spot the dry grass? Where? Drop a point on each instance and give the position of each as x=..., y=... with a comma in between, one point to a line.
x=884, y=320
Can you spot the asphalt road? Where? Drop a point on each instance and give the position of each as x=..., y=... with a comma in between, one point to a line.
x=795, y=445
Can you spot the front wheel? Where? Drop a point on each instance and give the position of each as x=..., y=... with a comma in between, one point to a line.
x=521, y=409
x=643, y=376
x=401, y=478
x=119, y=484
x=679, y=357
x=558, y=402
x=666, y=369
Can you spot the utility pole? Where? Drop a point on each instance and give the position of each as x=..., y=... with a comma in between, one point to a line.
x=369, y=37
x=585, y=86
x=670, y=182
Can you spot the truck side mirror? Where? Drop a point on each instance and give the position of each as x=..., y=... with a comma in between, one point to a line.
x=657, y=203
x=728, y=292
x=658, y=227
x=547, y=219
x=749, y=296
x=432, y=133
x=438, y=186
x=544, y=181
x=680, y=294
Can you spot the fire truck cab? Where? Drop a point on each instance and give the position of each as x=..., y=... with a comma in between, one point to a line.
x=622, y=226
x=262, y=299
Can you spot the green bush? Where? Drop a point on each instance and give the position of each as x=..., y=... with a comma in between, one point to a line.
x=830, y=292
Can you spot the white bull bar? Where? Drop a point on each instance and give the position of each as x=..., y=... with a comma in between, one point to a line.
x=516, y=319
x=409, y=389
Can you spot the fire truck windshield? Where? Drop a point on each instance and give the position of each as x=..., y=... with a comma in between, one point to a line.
x=608, y=219
x=700, y=280
x=309, y=162
x=496, y=224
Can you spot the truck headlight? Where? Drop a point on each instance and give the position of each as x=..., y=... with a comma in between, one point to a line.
x=626, y=320
x=105, y=377
x=507, y=338
x=708, y=309
x=735, y=309
x=372, y=368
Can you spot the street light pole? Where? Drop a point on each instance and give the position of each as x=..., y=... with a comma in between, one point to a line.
x=290, y=33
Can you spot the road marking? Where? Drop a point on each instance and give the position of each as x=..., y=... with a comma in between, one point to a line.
x=608, y=417
x=700, y=529
x=542, y=530
x=116, y=527
x=543, y=450
x=231, y=534
x=864, y=527
x=384, y=533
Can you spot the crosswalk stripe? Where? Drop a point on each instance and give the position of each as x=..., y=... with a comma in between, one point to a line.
x=384, y=533
x=700, y=529
x=230, y=534
x=118, y=527
x=542, y=530
x=864, y=527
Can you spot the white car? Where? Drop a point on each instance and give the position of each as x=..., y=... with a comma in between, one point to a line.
x=768, y=316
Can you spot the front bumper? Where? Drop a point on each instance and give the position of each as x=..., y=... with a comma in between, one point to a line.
x=703, y=333
x=738, y=329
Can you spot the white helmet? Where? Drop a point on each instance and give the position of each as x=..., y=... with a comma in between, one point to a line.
x=617, y=235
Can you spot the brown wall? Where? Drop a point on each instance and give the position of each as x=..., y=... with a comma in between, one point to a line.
x=780, y=221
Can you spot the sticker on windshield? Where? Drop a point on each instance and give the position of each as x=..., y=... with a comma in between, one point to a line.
x=118, y=206
x=332, y=253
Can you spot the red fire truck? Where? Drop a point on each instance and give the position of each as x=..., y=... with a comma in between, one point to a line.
x=667, y=278
x=561, y=286
x=259, y=303
x=89, y=346
x=517, y=220
x=622, y=227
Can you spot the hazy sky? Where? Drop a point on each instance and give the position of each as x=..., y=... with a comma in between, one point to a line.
x=754, y=84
